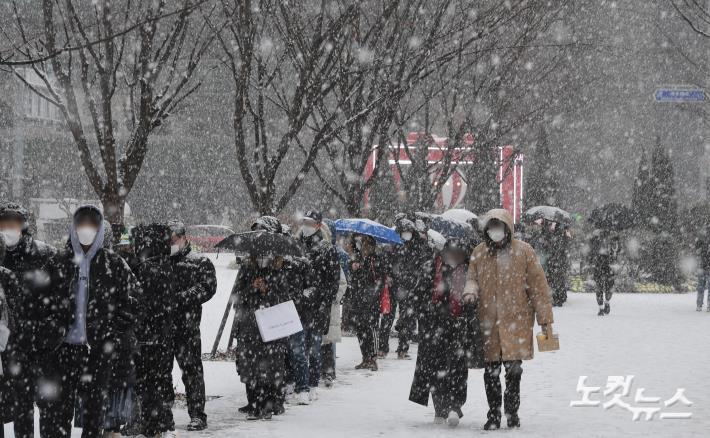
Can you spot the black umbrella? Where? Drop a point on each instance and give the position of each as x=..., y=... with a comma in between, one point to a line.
x=262, y=243
x=612, y=216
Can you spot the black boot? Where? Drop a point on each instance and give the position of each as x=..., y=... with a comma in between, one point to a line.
x=513, y=420
x=601, y=312
x=493, y=422
x=607, y=308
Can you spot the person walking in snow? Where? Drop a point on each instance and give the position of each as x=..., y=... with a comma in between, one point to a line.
x=25, y=256
x=506, y=277
x=702, y=248
x=557, y=266
x=195, y=284
x=87, y=312
x=449, y=338
x=604, y=248
x=412, y=279
x=262, y=281
x=10, y=293
x=319, y=293
x=361, y=304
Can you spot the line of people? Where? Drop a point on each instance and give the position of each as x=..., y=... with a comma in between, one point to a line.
x=473, y=307
x=94, y=332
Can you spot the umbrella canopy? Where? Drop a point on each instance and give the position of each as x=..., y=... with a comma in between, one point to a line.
x=449, y=228
x=370, y=228
x=436, y=240
x=262, y=243
x=612, y=216
x=549, y=213
x=460, y=214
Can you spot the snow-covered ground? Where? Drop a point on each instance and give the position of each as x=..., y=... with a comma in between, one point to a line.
x=659, y=339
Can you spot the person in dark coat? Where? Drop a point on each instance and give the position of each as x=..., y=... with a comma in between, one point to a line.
x=195, y=284
x=702, y=248
x=25, y=257
x=450, y=338
x=604, y=247
x=557, y=264
x=412, y=277
x=9, y=291
x=87, y=314
x=361, y=304
x=320, y=289
x=154, y=361
x=261, y=282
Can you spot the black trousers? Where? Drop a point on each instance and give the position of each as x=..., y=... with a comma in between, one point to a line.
x=154, y=386
x=187, y=347
x=23, y=370
x=327, y=357
x=491, y=378
x=71, y=371
x=406, y=326
x=385, y=326
x=603, y=290
x=367, y=338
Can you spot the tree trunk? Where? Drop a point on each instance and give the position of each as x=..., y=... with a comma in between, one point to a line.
x=114, y=207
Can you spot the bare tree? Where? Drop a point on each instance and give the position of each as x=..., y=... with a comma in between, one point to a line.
x=142, y=77
x=397, y=62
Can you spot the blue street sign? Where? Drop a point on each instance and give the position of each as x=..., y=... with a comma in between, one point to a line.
x=680, y=95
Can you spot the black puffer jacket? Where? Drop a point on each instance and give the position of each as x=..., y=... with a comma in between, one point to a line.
x=195, y=284
x=412, y=274
x=322, y=280
x=27, y=261
x=361, y=303
x=9, y=289
x=110, y=312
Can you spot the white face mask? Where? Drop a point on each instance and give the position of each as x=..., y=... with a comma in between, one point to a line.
x=12, y=237
x=86, y=235
x=174, y=249
x=406, y=236
x=496, y=234
x=263, y=262
x=308, y=230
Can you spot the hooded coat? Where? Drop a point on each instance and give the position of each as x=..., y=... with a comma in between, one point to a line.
x=9, y=289
x=512, y=292
x=322, y=279
x=108, y=307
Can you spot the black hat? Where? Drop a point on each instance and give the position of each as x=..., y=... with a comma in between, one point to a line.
x=313, y=215
x=177, y=227
x=13, y=210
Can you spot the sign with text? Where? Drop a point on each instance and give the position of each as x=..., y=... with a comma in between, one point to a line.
x=679, y=95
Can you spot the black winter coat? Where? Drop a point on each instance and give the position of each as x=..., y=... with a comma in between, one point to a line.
x=9, y=289
x=361, y=303
x=448, y=347
x=322, y=280
x=27, y=261
x=158, y=306
x=413, y=274
x=109, y=310
x=195, y=284
x=259, y=362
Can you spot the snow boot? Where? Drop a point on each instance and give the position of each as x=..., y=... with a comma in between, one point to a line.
x=439, y=420
x=303, y=399
x=248, y=409
x=700, y=308
x=328, y=382
x=607, y=308
x=493, y=422
x=453, y=419
x=372, y=365
x=601, y=311
x=513, y=420
x=362, y=364
x=197, y=424
x=313, y=394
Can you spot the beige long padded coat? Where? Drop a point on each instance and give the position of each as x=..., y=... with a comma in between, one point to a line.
x=512, y=291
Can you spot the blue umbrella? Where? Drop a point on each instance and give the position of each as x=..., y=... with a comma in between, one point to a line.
x=368, y=227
